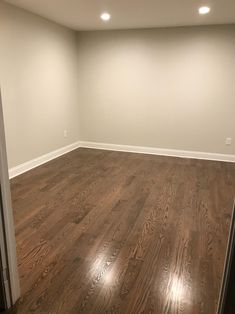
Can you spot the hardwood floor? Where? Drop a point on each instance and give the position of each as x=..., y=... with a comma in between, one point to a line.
x=110, y=232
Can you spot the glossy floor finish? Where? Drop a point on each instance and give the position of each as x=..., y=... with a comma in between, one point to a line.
x=111, y=232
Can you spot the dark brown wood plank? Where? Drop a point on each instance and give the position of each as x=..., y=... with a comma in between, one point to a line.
x=110, y=232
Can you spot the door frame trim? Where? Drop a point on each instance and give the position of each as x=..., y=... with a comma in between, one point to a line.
x=7, y=216
x=226, y=279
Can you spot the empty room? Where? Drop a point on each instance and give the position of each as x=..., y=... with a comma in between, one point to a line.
x=117, y=158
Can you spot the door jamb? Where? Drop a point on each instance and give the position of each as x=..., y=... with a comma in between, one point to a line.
x=7, y=214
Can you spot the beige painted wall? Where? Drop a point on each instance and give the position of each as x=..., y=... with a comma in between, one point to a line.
x=38, y=78
x=164, y=88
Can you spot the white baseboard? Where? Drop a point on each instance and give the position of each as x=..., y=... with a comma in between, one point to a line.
x=13, y=172
x=159, y=151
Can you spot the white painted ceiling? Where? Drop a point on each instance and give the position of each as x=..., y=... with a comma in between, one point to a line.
x=126, y=14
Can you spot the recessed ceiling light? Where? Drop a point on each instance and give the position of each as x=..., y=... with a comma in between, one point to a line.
x=204, y=10
x=105, y=16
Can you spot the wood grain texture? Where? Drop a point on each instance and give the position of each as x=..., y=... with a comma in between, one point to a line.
x=110, y=232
